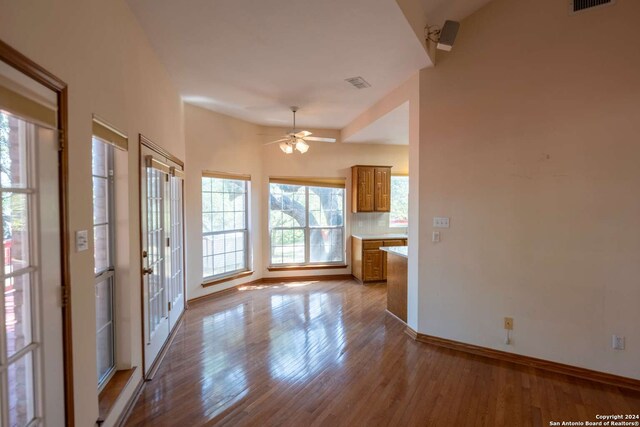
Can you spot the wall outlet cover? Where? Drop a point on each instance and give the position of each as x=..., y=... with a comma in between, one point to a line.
x=617, y=342
x=82, y=240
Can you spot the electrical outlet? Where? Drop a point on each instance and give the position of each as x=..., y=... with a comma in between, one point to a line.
x=617, y=342
x=508, y=323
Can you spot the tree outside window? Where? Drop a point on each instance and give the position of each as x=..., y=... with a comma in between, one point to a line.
x=306, y=224
x=399, y=216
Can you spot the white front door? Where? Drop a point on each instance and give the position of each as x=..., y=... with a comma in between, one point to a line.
x=163, y=254
x=31, y=349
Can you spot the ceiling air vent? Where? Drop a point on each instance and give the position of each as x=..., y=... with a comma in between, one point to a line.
x=358, y=82
x=580, y=5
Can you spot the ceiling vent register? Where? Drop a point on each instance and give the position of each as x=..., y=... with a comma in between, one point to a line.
x=581, y=5
x=358, y=82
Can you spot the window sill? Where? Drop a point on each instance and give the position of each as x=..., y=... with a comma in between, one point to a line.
x=308, y=267
x=111, y=392
x=227, y=278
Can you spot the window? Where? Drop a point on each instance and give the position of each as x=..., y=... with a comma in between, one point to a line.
x=399, y=216
x=306, y=222
x=225, y=235
x=104, y=269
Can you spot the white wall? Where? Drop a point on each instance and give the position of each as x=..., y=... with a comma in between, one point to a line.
x=220, y=143
x=529, y=143
x=98, y=49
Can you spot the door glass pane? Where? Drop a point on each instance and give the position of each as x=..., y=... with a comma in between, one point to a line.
x=157, y=303
x=21, y=392
x=17, y=309
x=13, y=148
x=177, y=277
x=16, y=231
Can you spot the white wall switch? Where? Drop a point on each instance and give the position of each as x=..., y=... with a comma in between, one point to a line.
x=82, y=240
x=435, y=237
x=617, y=342
x=440, y=222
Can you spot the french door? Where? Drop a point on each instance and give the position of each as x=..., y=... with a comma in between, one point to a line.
x=162, y=250
x=31, y=353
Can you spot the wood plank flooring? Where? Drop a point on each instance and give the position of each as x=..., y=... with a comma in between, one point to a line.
x=327, y=354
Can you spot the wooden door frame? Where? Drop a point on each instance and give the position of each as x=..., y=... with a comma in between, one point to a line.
x=31, y=69
x=146, y=142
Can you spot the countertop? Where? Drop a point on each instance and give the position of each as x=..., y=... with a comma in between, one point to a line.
x=402, y=251
x=379, y=236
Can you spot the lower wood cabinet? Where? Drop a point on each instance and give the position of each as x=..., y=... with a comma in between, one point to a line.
x=372, y=267
x=368, y=262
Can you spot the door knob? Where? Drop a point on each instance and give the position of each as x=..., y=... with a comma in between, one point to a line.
x=147, y=271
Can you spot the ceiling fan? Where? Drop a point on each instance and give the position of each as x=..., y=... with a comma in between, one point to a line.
x=297, y=139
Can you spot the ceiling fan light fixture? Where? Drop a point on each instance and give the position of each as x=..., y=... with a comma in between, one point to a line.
x=286, y=148
x=302, y=146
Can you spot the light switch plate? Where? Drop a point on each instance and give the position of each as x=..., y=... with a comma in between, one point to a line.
x=435, y=237
x=440, y=222
x=82, y=240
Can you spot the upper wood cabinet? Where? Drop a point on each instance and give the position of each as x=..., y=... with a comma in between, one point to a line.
x=371, y=188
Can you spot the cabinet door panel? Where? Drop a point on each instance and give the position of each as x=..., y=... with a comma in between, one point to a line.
x=382, y=189
x=372, y=267
x=366, y=189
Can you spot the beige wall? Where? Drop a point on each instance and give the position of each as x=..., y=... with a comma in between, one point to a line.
x=529, y=143
x=220, y=143
x=98, y=49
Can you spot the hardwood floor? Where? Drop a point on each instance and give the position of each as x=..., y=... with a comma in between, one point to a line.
x=327, y=354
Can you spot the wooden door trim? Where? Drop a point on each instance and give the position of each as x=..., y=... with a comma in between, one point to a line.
x=34, y=71
x=146, y=142
x=158, y=149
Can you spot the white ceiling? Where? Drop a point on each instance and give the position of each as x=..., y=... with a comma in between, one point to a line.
x=392, y=128
x=252, y=59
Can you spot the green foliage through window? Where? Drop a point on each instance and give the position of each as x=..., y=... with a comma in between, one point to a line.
x=399, y=216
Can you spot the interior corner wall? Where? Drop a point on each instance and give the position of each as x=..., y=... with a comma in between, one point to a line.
x=529, y=143
x=219, y=143
x=99, y=50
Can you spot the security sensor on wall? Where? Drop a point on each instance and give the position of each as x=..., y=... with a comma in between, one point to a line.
x=443, y=37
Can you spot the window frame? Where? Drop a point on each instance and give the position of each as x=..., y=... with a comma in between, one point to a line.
x=391, y=204
x=247, y=249
x=109, y=273
x=307, y=228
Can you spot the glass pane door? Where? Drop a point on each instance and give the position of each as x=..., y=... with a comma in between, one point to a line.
x=22, y=144
x=176, y=247
x=155, y=249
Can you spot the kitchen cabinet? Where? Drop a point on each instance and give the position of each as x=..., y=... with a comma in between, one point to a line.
x=370, y=188
x=368, y=262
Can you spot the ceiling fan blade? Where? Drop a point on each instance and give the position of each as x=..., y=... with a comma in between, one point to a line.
x=302, y=134
x=278, y=140
x=318, y=139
